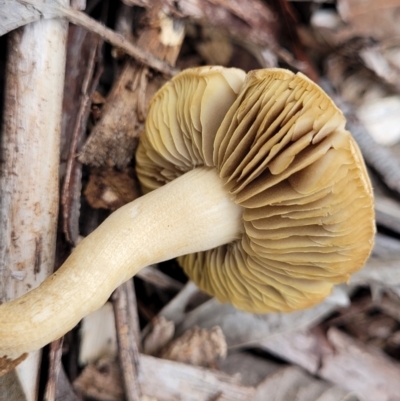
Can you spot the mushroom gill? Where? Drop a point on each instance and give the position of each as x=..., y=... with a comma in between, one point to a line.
x=283, y=152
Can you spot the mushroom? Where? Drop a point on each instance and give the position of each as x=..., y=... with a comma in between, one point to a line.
x=252, y=181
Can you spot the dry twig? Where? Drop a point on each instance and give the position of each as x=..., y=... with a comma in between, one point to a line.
x=127, y=333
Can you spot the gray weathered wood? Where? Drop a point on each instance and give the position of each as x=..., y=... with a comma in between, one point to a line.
x=29, y=166
x=342, y=360
x=167, y=380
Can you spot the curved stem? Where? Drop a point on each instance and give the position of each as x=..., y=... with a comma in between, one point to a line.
x=192, y=213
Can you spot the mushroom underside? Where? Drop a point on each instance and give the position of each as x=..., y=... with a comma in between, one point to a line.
x=284, y=154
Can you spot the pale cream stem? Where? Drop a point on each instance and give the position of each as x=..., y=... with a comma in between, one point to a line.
x=192, y=213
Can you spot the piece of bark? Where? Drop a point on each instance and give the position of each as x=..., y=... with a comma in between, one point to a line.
x=199, y=347
x=301, y=347
x=29, y=167
x=162, y=380
x=112, y=141
x=251, y=369
x=342, y=360
x=359, y=368
x=292, y=383
x=366, y=321
x=284, y=385
x=127, y=325
x=64, y=389
x=168, y=380
x=98, y=336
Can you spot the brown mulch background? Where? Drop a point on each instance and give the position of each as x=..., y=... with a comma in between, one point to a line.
x=159, y=338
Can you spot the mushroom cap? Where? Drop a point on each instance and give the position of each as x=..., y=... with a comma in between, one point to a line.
x=280, y=145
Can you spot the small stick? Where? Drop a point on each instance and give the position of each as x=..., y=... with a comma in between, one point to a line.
x=81, y=19
x=152, y=275
x=73, y=168
x=54, y=369
x=127, y=325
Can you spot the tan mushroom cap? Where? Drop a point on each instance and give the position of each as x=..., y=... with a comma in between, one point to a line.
x=279, y=144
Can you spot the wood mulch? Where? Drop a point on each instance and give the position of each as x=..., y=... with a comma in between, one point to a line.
x=159, y=338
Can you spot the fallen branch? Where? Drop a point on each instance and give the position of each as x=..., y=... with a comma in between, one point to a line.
x=29, y=165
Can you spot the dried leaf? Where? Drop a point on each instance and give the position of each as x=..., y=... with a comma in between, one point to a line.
x=162, y=332
x=110, y=188
x=101, y=381
x=199, y=347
